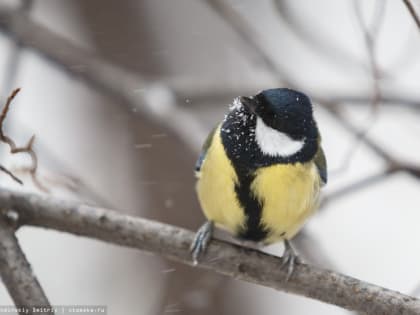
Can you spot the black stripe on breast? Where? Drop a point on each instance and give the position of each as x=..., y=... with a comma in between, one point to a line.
x=238, y=138
x=252, y=230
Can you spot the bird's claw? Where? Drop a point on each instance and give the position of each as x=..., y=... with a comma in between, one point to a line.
x=289, y=259
x=201, y=240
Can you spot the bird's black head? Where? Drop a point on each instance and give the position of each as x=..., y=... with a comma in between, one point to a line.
x=285, y=110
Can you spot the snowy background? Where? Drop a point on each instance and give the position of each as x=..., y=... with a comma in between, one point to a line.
x=127, y=162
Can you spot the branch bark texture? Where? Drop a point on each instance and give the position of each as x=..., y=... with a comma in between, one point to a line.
x=16, y=272
x=222, y=257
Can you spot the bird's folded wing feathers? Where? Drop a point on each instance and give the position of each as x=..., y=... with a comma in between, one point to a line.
x=321, y=164
x=204, y=149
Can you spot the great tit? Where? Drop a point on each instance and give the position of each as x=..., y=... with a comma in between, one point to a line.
x=260, y=171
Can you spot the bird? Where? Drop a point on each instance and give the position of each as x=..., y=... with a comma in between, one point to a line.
x=260, y=172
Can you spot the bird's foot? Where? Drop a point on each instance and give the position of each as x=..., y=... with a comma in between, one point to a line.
x=201, y=240
x=289, y=259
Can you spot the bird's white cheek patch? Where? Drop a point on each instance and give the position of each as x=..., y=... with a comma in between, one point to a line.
x=275, y=143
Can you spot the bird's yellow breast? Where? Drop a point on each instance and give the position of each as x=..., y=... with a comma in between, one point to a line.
x=216, y=188
x=288, y=193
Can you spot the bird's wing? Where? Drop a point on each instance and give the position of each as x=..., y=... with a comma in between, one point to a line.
x=321, y=164
x=204, y=149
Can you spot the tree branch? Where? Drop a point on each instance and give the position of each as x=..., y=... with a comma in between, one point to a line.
x=358, y=185
x=370, y=38
x=32, y=35
x=209, y=89
x=154, y=101
x=250, y=41
x=16, y=272
x=377, y=149
x=412, y=11
x=313, y=38
x=222, y=257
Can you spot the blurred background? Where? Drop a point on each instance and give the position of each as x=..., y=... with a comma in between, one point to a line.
x=121, y=94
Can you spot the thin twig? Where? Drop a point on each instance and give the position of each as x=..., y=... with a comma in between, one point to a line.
x=14, y=149
x=250, y=41
x=412, y=11
x=393, y=164
x=357, y=185
x=15, y=178
x=17, y=274
x=2, y=137
x=387, y=98
x=232, y=260
x=312, y=37
x=214, y=90
x=3, y=115
x=355, y=131
x=359, y=137
x=370, y=35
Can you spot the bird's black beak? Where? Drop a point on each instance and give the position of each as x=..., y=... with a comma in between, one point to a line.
x=249, y=102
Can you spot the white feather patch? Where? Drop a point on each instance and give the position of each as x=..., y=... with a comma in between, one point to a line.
x=275, y=143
